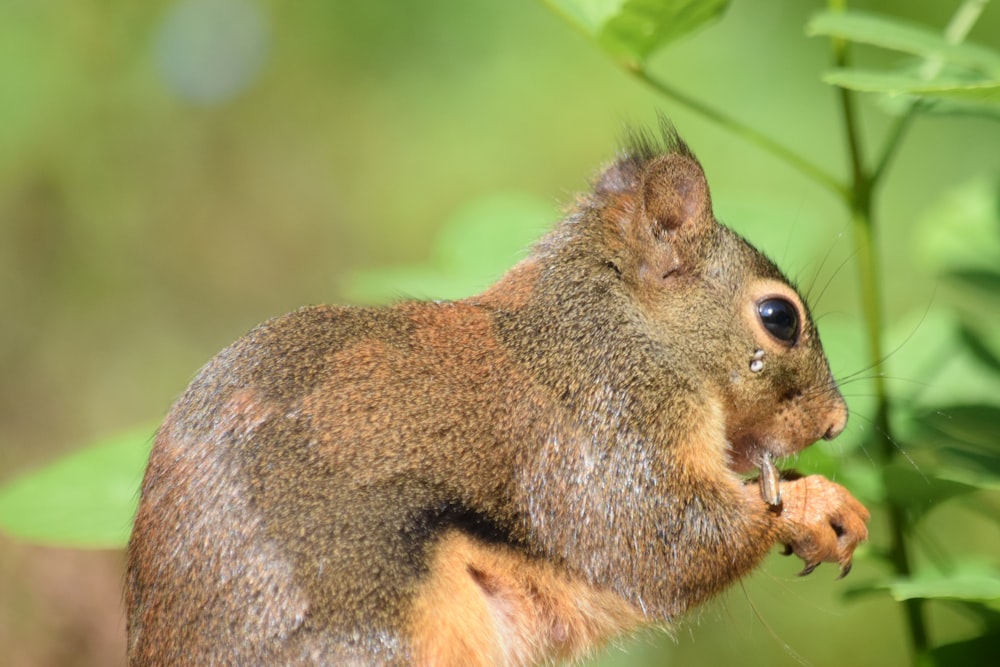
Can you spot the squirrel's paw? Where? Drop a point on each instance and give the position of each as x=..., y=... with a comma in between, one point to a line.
x=820, y=521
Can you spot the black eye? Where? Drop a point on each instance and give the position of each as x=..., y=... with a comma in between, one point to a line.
x=780, y=318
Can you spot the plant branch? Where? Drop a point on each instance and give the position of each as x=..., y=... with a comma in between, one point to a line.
x=962, y=21
x=753, y=136
x=892, y=143
x=860, y=202
x=859, y=199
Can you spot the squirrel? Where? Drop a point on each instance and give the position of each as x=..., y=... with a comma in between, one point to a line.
x=510, y=479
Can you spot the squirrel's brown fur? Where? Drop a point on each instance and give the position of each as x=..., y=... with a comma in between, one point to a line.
x=508, y=479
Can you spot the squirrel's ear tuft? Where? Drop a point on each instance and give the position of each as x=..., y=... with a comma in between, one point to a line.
x=675, y=193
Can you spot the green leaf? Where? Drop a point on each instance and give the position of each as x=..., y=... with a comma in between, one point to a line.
x=87, y=499
x=949, y=79
x=958, y=238
x=975, y=296
x=922, y=490
x=966, y=435
x=897, y=35
x=929, y=368
x=972, y=584
x=986, y=93
x=978, y=424
x=983, y=345
x=589, y=15
x=961, y=230
x=983, y=92
x=966, y=581
x=475, y=247
x=986, y=282
x=980, y=462
x=631, y=30
x=946, y=406
x=974, y=652
x=900, y=104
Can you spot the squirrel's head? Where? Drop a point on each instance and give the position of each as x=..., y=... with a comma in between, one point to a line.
x=720, y=313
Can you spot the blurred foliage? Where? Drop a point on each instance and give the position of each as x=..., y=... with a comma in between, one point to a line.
x=471, y=251
x=632, y=30
x=173, y=172
x=948, y=76
x=86, y=499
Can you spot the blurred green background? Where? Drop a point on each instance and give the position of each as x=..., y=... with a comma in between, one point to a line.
x=153, y=208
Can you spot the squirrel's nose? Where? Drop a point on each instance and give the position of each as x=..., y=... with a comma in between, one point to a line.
x=838, y=420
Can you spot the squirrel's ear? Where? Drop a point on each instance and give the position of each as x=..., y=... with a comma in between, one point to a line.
x=675, y=194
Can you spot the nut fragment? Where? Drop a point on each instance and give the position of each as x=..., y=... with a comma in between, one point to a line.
x=770, y=489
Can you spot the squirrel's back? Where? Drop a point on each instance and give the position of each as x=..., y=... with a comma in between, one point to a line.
x=312, y=520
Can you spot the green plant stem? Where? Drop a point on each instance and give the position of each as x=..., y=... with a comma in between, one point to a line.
x=736, y=127
x=892, y=143
x=963, y=19
x=859, y=201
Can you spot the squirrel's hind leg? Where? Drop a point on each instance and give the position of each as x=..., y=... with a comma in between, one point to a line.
x=487, y=604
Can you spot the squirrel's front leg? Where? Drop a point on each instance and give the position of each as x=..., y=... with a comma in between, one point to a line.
x=817, y=520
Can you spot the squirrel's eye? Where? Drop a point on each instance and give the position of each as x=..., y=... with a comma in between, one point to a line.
x=780, y=318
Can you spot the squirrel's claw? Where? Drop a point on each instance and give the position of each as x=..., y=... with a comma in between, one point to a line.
x=808, y=569
x=820, y=522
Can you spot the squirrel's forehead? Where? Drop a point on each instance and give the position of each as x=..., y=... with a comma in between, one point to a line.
x=758, y=263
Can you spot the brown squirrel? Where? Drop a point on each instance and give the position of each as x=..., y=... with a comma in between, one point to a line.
x=509, y=479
